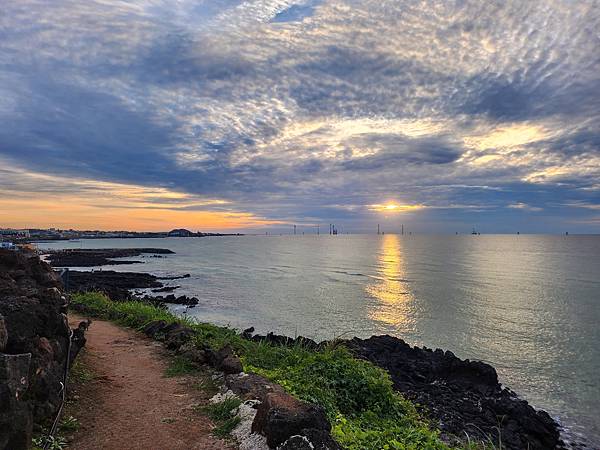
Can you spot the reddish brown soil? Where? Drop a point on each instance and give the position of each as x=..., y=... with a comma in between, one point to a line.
x=129, y=403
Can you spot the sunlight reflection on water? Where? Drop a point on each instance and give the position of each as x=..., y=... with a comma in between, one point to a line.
x=395, y=300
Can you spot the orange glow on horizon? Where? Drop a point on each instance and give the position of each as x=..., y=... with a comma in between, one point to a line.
x=68, y=213
x=96, y=205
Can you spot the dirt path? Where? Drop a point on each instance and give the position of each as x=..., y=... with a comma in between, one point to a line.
x=130, y=404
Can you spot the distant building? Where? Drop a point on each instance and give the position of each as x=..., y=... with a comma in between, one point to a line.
x=180, y=232
x=9, y=232
x=7, y=245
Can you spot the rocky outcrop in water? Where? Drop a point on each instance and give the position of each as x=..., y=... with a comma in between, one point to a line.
x=99, y=257
x=34, y=339
x=116, y=285
x=464, y=396
x=171, y=298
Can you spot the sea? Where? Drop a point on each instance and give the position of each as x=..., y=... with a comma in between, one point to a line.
x=527, y=304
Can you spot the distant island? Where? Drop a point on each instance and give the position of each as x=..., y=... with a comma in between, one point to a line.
x=55, y=234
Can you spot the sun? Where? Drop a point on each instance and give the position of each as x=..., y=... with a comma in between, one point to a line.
x=393, y=207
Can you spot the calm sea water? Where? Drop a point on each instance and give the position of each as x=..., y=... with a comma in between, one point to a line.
x=529, y=305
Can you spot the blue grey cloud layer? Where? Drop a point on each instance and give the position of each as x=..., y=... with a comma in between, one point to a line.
x=483, y=112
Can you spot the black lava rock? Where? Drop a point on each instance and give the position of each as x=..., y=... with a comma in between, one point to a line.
x=462, y=396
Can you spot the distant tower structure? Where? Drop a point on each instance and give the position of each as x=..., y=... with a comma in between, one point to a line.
x=318, y=230
x=378, y=229
x=402, y=229
x=294, y=229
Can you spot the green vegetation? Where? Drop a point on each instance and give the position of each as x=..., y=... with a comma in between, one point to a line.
x=365, y=412
x=51, y=443
x=79, y=372
x=67, y=425
x=223, y=414
x=179, y=366
x=222, y=411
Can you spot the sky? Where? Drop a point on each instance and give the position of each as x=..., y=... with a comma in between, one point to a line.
x=253, y=115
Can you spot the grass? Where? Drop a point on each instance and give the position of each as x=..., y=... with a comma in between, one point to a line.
x=365, y=411
x=68, y=424
x=179, y=366
x=223, y=414
x=220, y=412
x=79, y=372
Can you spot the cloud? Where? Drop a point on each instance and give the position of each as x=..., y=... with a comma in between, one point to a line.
x=524, y=207
x=297, y=12
x=309, y=110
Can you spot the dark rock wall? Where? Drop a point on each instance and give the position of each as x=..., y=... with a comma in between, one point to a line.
x=462, y=396
x=34, y=337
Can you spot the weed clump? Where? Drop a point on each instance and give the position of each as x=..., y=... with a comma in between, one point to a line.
x=224, y=414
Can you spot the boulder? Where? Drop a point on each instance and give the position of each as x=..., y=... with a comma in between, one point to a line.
x=286, y=341
x=310, y=439
x=281, y=416
x=78, y=340
x=231, y=364
x=194, y=354
x=247, y=333
x=153, y=328
x=178, y=336
x=225, y=360
x=250, y=386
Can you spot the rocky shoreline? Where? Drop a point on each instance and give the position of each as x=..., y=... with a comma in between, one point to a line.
x=100, y=257
x=118, y=286
x=464, y=398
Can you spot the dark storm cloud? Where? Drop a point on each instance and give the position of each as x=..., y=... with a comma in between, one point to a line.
x=80, y=131
x=397, y=151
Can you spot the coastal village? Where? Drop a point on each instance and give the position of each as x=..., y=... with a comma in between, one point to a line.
x=11, y=236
